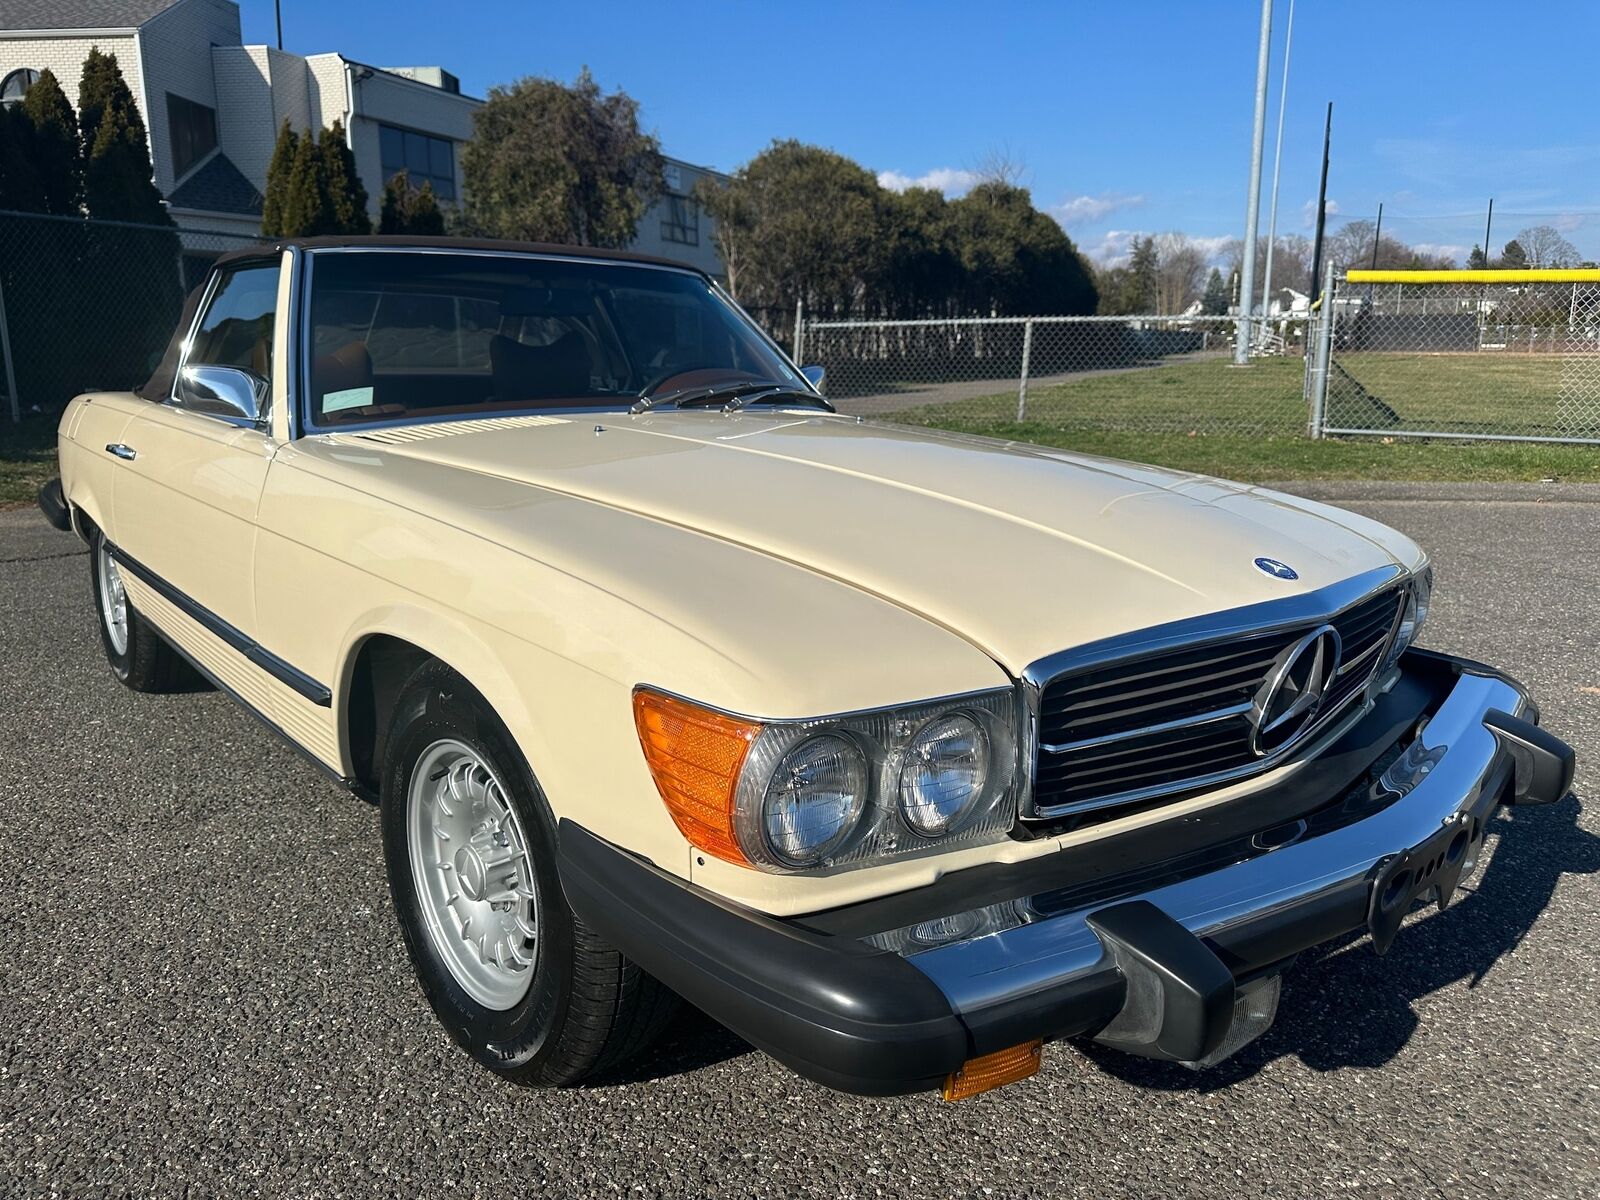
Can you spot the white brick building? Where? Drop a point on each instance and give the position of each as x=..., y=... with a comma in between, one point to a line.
x=213, y=107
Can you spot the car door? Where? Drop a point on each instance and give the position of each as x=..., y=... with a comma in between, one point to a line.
x=192, y=477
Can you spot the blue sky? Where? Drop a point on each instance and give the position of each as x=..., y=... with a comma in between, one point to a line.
x=1127, y=117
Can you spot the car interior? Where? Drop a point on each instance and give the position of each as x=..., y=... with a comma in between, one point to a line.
x=445, y=337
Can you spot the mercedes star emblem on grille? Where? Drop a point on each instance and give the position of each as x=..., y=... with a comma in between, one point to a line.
x=1291, y=697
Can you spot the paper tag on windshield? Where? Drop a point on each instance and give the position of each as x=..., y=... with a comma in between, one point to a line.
x=349, y=398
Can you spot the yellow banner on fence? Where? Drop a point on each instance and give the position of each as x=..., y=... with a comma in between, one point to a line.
x=1529, y=275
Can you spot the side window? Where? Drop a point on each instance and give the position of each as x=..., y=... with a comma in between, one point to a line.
x=236, y=329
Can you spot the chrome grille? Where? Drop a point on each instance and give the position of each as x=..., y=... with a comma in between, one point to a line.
x=1135, y=729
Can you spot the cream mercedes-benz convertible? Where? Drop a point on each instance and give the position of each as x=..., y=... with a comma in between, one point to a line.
x=899, y=753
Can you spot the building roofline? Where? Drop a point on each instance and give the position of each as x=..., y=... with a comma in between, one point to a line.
x=388, y=74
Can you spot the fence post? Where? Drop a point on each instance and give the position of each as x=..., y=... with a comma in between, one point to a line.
x=799, y=330
x=1319, y=385
x=1022, y=385
x=11, y=370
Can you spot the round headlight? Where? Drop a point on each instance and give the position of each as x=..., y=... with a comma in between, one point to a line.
x=943, y=774
x=1417, y=599
x=814, y=799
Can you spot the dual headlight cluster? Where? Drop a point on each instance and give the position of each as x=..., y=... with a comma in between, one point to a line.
x=1419, y=593
x=798, y=795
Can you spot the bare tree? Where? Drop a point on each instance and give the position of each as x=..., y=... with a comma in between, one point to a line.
x=1180, y=272
x=1545, y=247
x=1000, y=165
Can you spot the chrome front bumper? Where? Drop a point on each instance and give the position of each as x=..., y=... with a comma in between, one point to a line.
x=1174, y=953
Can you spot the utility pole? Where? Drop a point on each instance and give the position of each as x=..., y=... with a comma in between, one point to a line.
x=1277, y=168
x=1488, y=224
x=277, y=11
x=1247, y=290
x=1322, y=205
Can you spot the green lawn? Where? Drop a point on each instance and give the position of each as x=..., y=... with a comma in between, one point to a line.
x=1249, y=423
x=27, y=458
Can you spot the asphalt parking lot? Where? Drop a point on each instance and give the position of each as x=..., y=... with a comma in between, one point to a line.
x=203, y=989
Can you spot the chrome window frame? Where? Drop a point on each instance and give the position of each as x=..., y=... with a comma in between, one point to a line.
x=1305, y=609
x=263, y=423
x=302, y=425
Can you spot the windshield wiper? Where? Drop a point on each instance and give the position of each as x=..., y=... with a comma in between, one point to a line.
x=733, y=396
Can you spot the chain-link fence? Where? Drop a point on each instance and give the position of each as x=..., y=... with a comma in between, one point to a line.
x=88, y=305
x=1442, y=355
x=1022, y=375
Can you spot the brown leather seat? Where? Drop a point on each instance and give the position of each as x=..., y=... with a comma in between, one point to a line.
x=350, y=366
x=560, y=370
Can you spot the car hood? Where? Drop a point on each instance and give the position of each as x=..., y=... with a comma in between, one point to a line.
x=1024, y=551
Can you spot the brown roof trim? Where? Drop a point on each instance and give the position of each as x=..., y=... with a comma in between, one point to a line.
x=405, y=242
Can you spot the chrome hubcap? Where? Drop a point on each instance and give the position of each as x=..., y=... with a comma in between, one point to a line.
x=113, y=602
x=474, y=879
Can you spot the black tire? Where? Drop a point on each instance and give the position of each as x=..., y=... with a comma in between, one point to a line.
x=587, y=1008
x=147, y=663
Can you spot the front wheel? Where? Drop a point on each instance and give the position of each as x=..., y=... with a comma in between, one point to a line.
x=512, y=973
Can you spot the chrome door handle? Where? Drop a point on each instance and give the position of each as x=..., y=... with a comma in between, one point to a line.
x=121, y=451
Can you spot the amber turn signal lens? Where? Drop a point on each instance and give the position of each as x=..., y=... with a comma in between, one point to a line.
x=978, y=1075
x=695, y=756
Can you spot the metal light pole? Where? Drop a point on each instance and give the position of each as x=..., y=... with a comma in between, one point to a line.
x=1277, y=168
x=1247, y=289
x=1322, y=204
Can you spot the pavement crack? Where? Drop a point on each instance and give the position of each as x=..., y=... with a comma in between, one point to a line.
x=27, y=558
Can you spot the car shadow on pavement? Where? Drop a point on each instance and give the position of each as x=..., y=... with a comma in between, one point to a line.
x=692, y=1041
x=1343, y=1006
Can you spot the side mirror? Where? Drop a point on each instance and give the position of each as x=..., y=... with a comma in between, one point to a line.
x=814, y=375
x=224, y=392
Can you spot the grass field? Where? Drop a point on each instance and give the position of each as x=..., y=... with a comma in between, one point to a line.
x=1210, y=417
x=27, y=458
x=1249, y=423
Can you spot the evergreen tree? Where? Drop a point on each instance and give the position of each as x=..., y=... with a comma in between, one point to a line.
x=56, y=153
x=408, y=210
x=425, y=218
x=117, y=177
x=283, y=152
x=1143, y=267
x=20, y=186
x=306, y=211
x=347, y=199
x=395, y=205
x=1477, y=260
x=1513, y=257
x=1215, y=301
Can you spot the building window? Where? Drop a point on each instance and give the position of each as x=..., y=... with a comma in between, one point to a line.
x=194, y=132
x=16, y=85
x=681, y=223
x=424, y=159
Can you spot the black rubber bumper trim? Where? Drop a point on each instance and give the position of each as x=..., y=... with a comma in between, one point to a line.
x=835, y=1010
x=1544, y=764
x=53, y=503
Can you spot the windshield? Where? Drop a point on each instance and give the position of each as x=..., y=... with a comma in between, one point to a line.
x=397, y=334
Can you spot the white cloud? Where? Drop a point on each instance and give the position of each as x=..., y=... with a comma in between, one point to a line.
x=1448, y=249
x=1112, y=248
x=1308, y=212
x=1212, y=247
x=952, y=181
x=1567, y=222
x=1083, y=210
